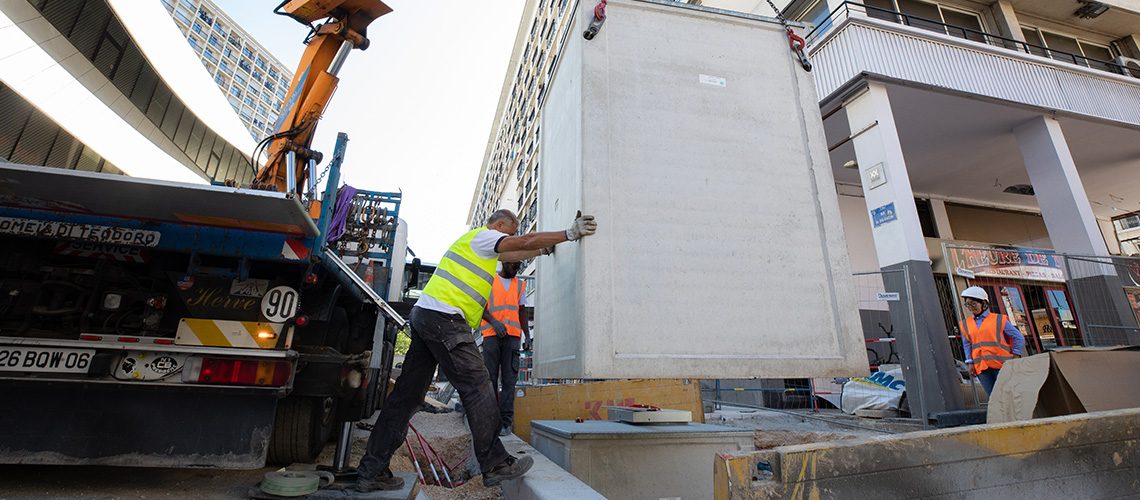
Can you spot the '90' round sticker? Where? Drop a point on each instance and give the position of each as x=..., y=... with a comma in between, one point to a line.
x=279, y=304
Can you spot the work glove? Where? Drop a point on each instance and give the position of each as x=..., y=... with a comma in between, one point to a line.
x=547, y=251
x=500, y=329
x=527, y=345
x=584, y=225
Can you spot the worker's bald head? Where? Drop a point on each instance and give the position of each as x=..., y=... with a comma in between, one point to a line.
x=504, y=221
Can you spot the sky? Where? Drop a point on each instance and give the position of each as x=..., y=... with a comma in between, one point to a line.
x=417, y=106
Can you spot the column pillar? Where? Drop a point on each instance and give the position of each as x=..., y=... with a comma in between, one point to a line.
x=1007, y=23
x=1102, y=308
x=899, y=244
x=942, y=219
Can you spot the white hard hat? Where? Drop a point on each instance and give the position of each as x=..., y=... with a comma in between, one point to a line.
x=976, y=292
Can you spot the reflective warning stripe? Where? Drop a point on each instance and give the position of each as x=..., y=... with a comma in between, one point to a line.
x=503, y=308
x=226, y=333
x=468, y=265
x=463, y=287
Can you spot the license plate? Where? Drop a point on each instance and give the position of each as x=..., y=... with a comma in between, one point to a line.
x=45, y=359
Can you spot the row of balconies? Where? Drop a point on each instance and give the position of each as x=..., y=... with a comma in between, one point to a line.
x=858, y=39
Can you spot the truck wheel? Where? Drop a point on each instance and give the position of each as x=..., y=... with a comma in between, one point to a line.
x=302, y=427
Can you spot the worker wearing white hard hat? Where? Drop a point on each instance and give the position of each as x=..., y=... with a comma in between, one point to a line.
x=989, y=340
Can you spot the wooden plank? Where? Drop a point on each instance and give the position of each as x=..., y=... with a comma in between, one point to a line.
x=587, y=400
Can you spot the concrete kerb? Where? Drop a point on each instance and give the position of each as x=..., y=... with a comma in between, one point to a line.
x=1091, y=455
x=546, y=480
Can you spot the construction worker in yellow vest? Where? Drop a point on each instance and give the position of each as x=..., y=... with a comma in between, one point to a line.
x=441, y=322
x=989, y=340
x=504, y=324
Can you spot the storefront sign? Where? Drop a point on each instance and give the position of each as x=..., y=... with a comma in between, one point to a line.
x=1005, y=262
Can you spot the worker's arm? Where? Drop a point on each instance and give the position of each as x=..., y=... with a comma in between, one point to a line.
x=1014, y=336
x=966, y=345
x=523, y=321
x=500, y=328
x=517, y=248
x=520, y=255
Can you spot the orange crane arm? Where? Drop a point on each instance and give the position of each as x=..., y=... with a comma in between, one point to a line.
x=343, y=27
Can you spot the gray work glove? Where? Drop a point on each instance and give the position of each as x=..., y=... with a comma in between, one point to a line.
x=583, y=225
x=500, y=329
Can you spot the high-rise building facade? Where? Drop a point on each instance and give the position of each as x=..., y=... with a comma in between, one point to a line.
x=510, y=170
x=100, y=86
x=253, y=80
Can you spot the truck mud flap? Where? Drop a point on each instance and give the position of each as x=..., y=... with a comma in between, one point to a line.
x=88, y=424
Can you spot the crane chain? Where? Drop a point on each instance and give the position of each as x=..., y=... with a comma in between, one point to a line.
x=796, y=42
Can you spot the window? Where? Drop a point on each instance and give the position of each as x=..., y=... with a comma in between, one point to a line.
x=214, y=41
x=257, y=75
x=234, y=40
x=220, y=80
x=239, y=80
x=195, y=43
x=197, y=28
x=261, y=64
x=818, y=15
x=248, y=100
x=235, y=91
x=229, y=53
x=225, y=68
x=1069, y=49
x=205, y=17
x=928, y=16
x=246, y=52
x=210, y=56
x=182, y=14
x=244, y=65
x=272, y=74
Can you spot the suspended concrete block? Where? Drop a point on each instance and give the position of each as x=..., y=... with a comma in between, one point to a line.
x=695, y=138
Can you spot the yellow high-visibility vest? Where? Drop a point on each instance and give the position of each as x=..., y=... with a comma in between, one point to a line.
x=463, y=279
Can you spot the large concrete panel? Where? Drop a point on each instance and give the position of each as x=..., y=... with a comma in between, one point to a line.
x=695, y=138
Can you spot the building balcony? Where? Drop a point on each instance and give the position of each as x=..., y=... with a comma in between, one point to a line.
x=858, y=40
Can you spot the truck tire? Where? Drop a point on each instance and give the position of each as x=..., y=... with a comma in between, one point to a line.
x=302, y=427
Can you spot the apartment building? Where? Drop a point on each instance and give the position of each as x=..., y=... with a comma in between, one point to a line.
x=987, y=143
x=253, y=80
x=101, y=86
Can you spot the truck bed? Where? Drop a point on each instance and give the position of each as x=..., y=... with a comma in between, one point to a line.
x=70, y=191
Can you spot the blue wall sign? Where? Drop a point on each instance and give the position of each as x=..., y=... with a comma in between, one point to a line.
x=884, y=214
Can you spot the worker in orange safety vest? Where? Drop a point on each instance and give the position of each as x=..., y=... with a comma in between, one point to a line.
x=989, y=340
x=503, y=328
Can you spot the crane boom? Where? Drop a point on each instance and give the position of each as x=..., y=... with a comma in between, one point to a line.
x=343, y=27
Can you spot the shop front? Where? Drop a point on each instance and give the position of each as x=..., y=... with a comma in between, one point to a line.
x=1027, y=285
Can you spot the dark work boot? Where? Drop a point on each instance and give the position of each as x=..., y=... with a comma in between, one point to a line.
x=383, y=481
x=511, y=468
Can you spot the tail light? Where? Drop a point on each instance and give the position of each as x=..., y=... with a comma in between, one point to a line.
x=156, y=302
x=225, y=371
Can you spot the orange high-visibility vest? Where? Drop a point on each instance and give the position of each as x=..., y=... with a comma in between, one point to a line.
x=504, y=306
x=988, y=347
